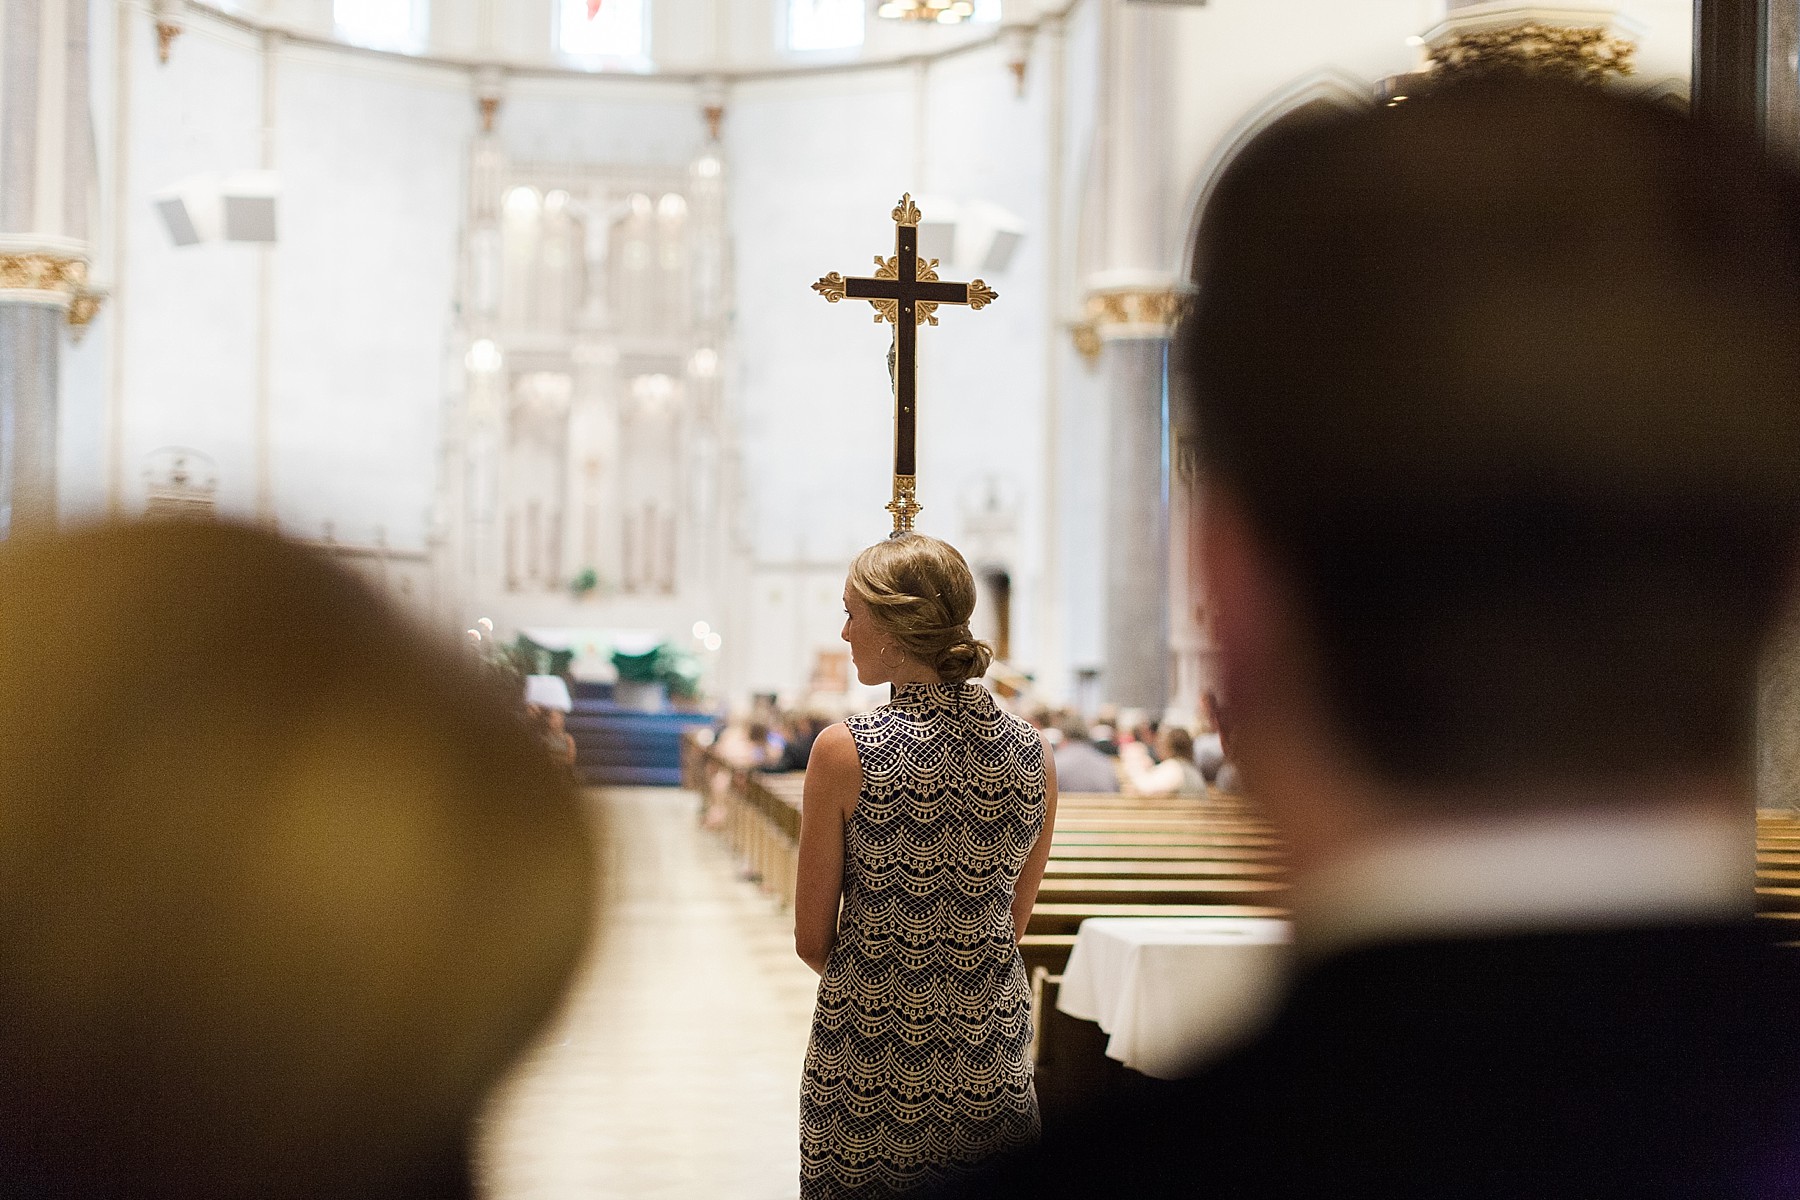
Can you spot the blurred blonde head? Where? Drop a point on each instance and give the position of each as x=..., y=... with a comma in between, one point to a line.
x=284, y=887
x=920, y=592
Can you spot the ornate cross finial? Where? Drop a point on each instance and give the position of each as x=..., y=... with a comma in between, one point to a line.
x=905, y=292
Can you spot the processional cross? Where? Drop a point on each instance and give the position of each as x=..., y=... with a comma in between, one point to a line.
x=906, y=293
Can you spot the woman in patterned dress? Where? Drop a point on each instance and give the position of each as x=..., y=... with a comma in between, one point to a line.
x=926, y=828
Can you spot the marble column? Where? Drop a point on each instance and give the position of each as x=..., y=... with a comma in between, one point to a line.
x=30, y=338
x=1136, y=673
x=1130, y=287
x=46, y=191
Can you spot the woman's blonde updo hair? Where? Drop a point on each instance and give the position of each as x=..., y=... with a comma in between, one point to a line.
x=920, y=592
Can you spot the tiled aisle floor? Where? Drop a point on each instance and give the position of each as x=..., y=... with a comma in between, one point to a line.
x=676, y=1071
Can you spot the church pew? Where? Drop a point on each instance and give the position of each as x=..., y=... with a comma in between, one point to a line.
x=1128, y=839
x=1194, y=868
x=1778, y=899
x=1087, y=889
x=1049, y=951
x=1111, y=856
x=1055, y=916
x=1161, y=851
x=1073, y=1075
x=1131, y=822
x=1144, y=850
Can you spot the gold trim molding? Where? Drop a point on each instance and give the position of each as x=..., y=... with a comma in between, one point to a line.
x=42, y=271
x=55, y=278
x=1592, y=54
x=1126, y=312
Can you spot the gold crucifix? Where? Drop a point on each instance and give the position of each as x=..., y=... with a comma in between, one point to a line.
x=905, y=292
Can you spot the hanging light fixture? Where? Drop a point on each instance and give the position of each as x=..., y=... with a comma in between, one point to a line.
x=944, y=12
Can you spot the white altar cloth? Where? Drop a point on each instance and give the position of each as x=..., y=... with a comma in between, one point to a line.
x=1171, y=990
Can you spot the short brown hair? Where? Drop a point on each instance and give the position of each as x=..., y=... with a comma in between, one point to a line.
x=1507, y=378
x=920, y=591
x=1180, y=742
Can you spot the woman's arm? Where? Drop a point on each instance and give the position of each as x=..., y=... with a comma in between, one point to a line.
x=1026, y=890
x=833, y=778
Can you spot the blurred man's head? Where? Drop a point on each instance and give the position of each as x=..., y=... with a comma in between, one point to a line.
x=283, y=887
x=1073, y=729
x=1497, y=395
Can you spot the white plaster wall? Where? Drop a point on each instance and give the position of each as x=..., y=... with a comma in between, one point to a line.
x=361, y=295
x=190, y=321
x=1238, y=56
x=1666, y=49
x=601, y=121
x=1083, y=434
x=817, y=165
x=81, y=425
x=373, y=158
x=372, y=166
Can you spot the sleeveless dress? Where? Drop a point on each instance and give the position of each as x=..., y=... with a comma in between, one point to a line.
x=920, y=1057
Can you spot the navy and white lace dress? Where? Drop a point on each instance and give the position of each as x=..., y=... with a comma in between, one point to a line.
x=920, y=1058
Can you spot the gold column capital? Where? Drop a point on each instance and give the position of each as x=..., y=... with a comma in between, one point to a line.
x=1122, y=312
x=49, y=272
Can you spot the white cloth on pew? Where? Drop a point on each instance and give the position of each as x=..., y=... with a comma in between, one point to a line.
x=1172, y=990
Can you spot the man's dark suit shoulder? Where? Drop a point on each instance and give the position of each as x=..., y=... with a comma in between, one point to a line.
x=1646, y=1063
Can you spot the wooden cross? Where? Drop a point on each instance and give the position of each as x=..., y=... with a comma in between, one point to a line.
x=906, y=293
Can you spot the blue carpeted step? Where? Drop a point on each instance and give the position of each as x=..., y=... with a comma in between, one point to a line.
x=629, y=747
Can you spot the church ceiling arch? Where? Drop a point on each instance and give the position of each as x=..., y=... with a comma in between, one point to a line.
x=1318, y=91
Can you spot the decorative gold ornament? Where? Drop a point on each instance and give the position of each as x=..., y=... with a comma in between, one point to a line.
x=1134, y=308
x=1587, y=53
x=905, y=505
x=831, y=287
x=1086, y=336
x=490, y=109
x=83, y=308
x=1018, y=66
x=1125, y=312
x=58, y=277
x=41, y=271
x=166, y=33
x=941, y=12
x=906, y=212
x=715, y=120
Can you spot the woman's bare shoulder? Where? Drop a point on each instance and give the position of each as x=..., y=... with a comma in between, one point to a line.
x=834, y=751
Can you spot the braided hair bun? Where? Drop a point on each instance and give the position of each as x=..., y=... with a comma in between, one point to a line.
x=921, y=592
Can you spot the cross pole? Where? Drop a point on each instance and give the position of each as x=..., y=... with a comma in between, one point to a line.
x=906, y=293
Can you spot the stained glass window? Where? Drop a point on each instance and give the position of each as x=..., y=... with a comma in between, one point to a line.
x=824, y=24
x=616, y=31
x=384, y=24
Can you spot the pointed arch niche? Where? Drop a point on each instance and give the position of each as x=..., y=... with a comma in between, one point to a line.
x=1310, y=96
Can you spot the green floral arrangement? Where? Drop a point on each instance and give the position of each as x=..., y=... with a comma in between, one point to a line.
x=677, y=670
x=532, y=659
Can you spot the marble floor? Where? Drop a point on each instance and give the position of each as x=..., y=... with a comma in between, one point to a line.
x=675, y=1071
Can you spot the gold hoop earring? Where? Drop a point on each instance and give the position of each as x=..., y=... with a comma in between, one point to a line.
x=881, y=655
